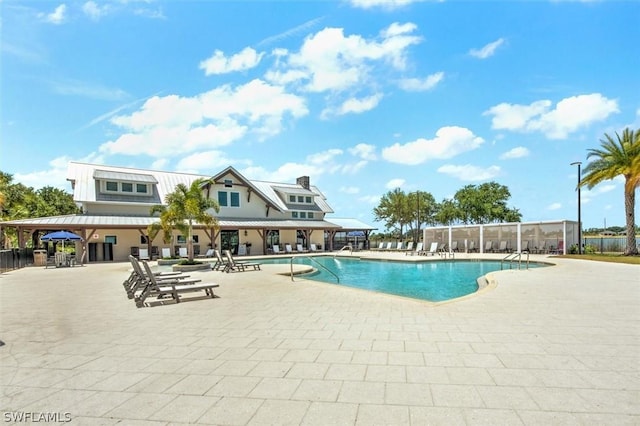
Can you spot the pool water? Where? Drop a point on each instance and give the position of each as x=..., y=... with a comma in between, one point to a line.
x=434, y=281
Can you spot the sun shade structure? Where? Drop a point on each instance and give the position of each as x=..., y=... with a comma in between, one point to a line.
x=61, y=236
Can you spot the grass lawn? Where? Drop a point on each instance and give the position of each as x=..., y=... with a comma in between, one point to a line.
x=614, y=258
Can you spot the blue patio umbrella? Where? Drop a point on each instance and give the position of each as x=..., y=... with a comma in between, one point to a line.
x=61, y=236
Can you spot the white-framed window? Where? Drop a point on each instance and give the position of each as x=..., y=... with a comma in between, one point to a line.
x=125, y=187
x=111, y=239
x=228, y=199
x=303, y=215
x=294, y=215
x=292, y=198
x=308, y=200
x=310, y=215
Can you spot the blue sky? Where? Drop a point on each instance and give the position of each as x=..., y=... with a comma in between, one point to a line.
x=363, y=96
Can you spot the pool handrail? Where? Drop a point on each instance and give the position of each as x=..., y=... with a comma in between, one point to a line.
x=512, y=256
x=318, y=263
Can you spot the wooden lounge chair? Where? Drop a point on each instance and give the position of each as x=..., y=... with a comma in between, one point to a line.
x=220, y=263
x=138, y=279
x=234, y=265
x=160, y=288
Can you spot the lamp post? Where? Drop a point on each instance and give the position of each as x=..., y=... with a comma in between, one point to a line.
x=578, y=163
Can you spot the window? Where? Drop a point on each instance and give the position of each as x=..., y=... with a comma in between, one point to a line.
x=300, y=199
x=303, y=215
x=111, y=239
x=228, y=183
x=235, y=199
x=308, y=200
x=294, y=215
x=143, y=239
x=292, y=198
x=141, y=188
x=111, y=186
x=310, y=215
x=222, y=198
x=127, y=187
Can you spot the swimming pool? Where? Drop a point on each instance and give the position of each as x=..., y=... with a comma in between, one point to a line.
x=434, y=281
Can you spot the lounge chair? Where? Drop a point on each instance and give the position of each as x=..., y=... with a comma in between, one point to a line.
x=409, y=247
x=454, y=246
x=182, y=252
x=418, y=249
x=488, y=246
x=143, y=254
x=288, y=249
x=160, y=288
x=276, y=249
x=209, y=253
x=399, y=246
x=432, y=250
x=301, y=249
x=138, y=278
x=472, y=247
x=524, y=248
x=503, y=247
x=542, y=249
x=234, y=265
x=166, y=253
x=220, y=263
x=388, y=247
x=314, y=248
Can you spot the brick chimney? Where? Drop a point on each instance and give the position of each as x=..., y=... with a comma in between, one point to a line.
x=304, y=182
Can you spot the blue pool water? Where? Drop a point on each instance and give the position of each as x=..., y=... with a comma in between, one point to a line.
x=433, y=280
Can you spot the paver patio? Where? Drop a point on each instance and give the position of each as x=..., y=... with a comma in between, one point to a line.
x=556, y=345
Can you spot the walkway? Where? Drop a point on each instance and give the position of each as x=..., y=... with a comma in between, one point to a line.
x=557, y=345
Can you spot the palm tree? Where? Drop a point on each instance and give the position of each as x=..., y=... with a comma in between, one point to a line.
x=183, y=208
x=619, y=156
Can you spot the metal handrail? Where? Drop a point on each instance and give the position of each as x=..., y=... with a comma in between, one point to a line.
x=512, y=256
x=318, y=263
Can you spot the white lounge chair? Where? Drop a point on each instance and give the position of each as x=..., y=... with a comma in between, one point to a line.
x=209, y=253
x=288, y=249
x=143, y=254
x=432, y=250
x=301, y=249
x=276, y=249
x=183, y=252
x=166, y=253
x=314, y=248
x=488, y=246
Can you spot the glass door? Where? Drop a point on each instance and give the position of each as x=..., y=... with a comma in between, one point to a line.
x=229, y=240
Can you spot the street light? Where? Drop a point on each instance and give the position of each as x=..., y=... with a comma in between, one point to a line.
x=578, y=163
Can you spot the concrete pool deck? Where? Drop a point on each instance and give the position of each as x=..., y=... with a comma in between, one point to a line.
x=557, y=345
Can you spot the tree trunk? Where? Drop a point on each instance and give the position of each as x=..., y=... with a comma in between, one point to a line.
x=629, y=207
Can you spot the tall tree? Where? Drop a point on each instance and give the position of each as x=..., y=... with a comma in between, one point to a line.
x=618, y=156
x=485, y=203
x=393, y=210
x=183, y=208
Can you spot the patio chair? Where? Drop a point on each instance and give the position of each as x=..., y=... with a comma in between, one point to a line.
x=488, y=246
x=160, y=288
x=411, y=251
x=454, y=246
x=138, y=278
x=288, y=249
x=182, y=252
x=166, y=253
x=314, y=248
x=380, y=247
x=432, y=250
x=301, y=249
x=472, y=247
x=208, y=254
x=220, y=263
x=143, y=254
x=276, y=249
x=239, y=266
x=503, y=247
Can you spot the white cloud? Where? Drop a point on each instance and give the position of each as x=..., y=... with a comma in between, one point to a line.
x=569, y=115
x=350, y=189
x=330, y=61
x=421, y=85
x=370, y=199
x=88, y=90
x=220, y=64
x=470, y=173
x=384, y=4
x=94, y=11
x=364, y=151
x=395, y=183
x=517, y=152
x=448, y=142
x=354, y=106
x=171, y=125
x=487, y=50
x=554, y=206
x=56, y=17
x=204, y=162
